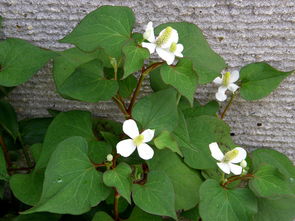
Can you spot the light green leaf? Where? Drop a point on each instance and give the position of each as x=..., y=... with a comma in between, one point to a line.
x=206, y=62
x=134, y=58
x=166, y=140
x=71, y=181
x=156, y=196
x=211, y=109
x=139, y=215
x=127, y=86
x=108, y=27
x=38, y=217
x=259, y=80
x=218, y=203
x=3, y=171
x=269, y=182
x=19, y=61
x=8, y=119
x=102, y=216
x=119, y=178
x=87, y=83
x=157, y=111
x=186, y=182
x=182, y=77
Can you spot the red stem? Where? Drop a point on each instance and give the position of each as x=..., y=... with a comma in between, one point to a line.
x=247, y=176
x=5, y=152
x=116, y=205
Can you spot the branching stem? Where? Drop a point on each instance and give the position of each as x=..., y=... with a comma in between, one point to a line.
x=227, y=106
x=247, y=176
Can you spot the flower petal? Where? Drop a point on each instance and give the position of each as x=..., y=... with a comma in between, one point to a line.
x=178, y=51
x=224, y=167
x=145, y=151
x=173, y=37
x=166, y=55
x=125, y=147
x=235, y=169
x=234, y=76
x=232, y=87
x=150, y=46
x=148, y=135
x=241, y=155
x=149, y=32
x=217, y=80
x=130, y=128
x=220, y=95
x=215, y=151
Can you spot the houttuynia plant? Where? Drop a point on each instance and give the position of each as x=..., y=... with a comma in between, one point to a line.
x=171, y=158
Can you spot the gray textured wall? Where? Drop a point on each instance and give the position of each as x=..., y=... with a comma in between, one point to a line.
x=242, y=31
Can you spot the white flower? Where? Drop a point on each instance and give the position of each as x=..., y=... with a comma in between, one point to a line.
x=228, y=161
x=226, y=82
x=126, y=147
x=165, y=44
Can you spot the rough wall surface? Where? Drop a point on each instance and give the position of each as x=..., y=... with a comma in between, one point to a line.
x=242, y=31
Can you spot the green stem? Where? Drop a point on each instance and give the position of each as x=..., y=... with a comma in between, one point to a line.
x=227, y=106
x=178, y=98
x=122, y=107
x=222, y=178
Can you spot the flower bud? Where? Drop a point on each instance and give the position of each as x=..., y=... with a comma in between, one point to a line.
x=109, y=157
x=243, y=163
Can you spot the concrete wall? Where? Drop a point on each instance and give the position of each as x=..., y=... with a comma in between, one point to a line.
x=242, y=31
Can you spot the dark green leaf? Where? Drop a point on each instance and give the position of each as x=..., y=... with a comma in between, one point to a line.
x=156, y=80
x=3, y=171
x=38, y=217
x=4, y=91
x=108, y=27
x=206, y=62
x=186, y=182
x=71, y=181
x=8, y=119
x=139, y=215
x=218, y=203
x=19, y=61
x=36, y=150
x=156, y=196
x=157, y=111
x=166, y=140
x=182, y=77
x=120, y=178
x=102, y=216
x=259, y=80
x=191, y=215
x=98, y=151
x=127, y=86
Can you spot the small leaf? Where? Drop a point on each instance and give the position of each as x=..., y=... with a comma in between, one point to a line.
x=259, y=80
x=19, y=61
x=218, y=203
x=134, y=58
x=206, y=62
x=269, y=182
x=3, y=171
x=87, y=83
x=166, y=140
x=182, y=77
x=120, y=178
x=102, y=216
x=71, y=181
x=127, y=86
x=108, y=27
x=156, y=196
x=139, y=215
x=8, y=119
x=157, y=111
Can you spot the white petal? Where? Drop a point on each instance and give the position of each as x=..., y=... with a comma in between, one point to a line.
x=148, y=135
x=232, y=87
x=217, y=80
x=235, y=169
x=166, y=55
x=150, y=46
x=178, y=51
x=125, y=147
x=172, y=38
x=216, y=152
x=241, y=155
x=220, y=95
x=149, y=32
x=234, y=76
x=224, y=167
x=130, y=128
x=145, y=151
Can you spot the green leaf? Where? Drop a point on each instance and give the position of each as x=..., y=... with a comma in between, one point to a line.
x=269, y=182
x=102, y=216
x=127, y=86
x=33, y=130
x=156, y=80
x=4, y=91
x=98, y=151
x=108, y=27
x=191, y=215
x=134, y=58
x=218, y=203
x=3, y=171
x=259, y=80
x=194, y=136
x=156, y=196
x=275, y=209
x=8, y=119
x=157, y=111
x=206, y=62
x=211, y=109
x=71, y=181
x=119, y=178
x=182, y=77
x=19, y=61
x=38, y=217
x=36, y=150
x=139, y=215
x=87, y=83
x=166, y=140
x=186, y=182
